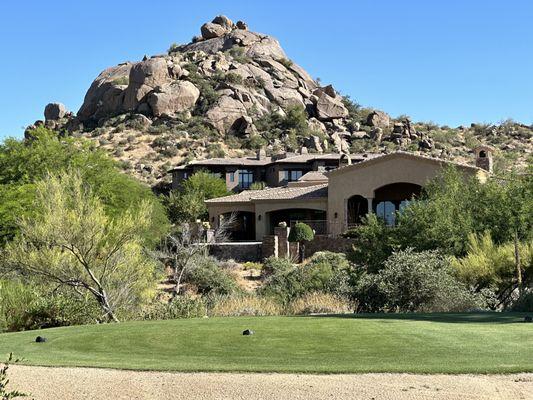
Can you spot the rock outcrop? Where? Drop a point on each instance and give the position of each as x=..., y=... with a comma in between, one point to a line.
x=221, y=95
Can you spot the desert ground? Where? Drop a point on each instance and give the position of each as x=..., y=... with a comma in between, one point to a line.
x=98, y=384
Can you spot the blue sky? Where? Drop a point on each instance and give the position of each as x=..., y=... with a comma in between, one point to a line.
x=452, y=62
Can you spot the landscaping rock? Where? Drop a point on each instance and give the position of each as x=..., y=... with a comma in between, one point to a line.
x=40, y=339
x=248, y=332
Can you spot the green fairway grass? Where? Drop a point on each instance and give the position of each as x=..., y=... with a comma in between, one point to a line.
x=421, y=343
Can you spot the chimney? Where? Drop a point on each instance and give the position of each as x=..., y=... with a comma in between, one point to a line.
x=484, y=157
x=261, y=154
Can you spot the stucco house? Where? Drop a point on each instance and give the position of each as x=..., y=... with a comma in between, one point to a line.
x=332, y=201
x=279, y=170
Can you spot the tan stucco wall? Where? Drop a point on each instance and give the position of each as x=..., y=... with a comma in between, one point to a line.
x=218, y=209
x=364, y=179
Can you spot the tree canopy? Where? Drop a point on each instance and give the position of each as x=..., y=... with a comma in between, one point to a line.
x=24, y=162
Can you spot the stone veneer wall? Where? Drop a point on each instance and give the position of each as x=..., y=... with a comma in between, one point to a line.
x=241, y=252
x=328, y=243
x=270, y=246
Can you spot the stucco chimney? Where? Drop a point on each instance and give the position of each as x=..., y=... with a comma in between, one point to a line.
x=484, y=157
x=261, y=154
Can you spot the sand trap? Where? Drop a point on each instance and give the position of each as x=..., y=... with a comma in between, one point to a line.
x=98, y=384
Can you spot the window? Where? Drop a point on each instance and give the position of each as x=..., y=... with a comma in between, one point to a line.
x=292, y=175
x=387, y=211
x=246, y=178
x=231, y=176
x=185, y=175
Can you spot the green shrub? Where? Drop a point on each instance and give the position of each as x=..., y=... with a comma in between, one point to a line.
x=274, y=265
x=524, y=302
x=301, y=233
x=209, y=278
x=411, y=281
x=325, y=272
x=25, y=307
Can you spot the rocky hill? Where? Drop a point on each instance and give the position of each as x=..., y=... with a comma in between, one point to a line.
x=231, y=91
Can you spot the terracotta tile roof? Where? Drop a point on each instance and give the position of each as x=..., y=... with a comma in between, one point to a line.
x=381, y=157
x=313, y=176
x=290, y=158
x=279, y=193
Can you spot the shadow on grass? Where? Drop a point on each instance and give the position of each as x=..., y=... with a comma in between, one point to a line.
x=472, y=317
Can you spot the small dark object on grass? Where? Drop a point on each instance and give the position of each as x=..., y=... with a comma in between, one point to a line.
x=528, y=318
x=248, y=332
x=40, y=339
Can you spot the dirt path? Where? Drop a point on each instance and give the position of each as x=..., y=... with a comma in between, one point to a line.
x=99, y=384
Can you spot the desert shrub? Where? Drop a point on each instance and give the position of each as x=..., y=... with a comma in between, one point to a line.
x=5, y=392
x=244, y=305
x=285, y=62
x=488, y=265
x=319, y=303
x=524, y=302
x=249, y=265
x=411, y=281
x=174, y=47
x=23, y=306
x=326, y=272
x=232, y=77
x=273, y=265
x=209, y=278
x=178, y=307
x=238, y=54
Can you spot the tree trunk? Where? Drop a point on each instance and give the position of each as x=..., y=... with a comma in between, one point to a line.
x=517, y=263
x=104, y=303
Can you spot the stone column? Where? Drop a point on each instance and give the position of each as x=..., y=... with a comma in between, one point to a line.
x=283, y=240
x=270, y=246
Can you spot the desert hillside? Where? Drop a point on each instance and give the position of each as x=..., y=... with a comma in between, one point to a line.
x=232, y=91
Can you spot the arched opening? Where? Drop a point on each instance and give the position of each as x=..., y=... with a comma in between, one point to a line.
x=316, y=219
x=243, y=227
x=357, y=209
x=482, y=154
x=392, y=198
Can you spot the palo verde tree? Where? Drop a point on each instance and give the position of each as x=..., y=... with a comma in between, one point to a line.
x=72, y=242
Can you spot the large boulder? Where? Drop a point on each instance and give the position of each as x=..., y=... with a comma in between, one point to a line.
x=173, y=98
x=105, y=96
x=54, y=111
x=211, y=31
x=144, y=77
x=225, y=113
x=285, y=97
x=254, y=45
x=329, y=107
x=224, y=21
x=378, y=119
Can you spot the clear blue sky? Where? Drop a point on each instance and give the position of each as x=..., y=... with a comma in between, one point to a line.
x=449, y=61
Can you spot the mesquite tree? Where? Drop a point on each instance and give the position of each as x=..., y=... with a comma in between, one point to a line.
x=72, y=242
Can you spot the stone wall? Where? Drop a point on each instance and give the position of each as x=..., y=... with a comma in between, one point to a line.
x=270, y=246
x=241, y=252
x=328, y=243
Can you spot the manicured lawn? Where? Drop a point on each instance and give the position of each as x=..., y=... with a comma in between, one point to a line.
x=426, y=343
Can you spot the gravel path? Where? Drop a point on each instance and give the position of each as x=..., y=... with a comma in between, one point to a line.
x=45, y=383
